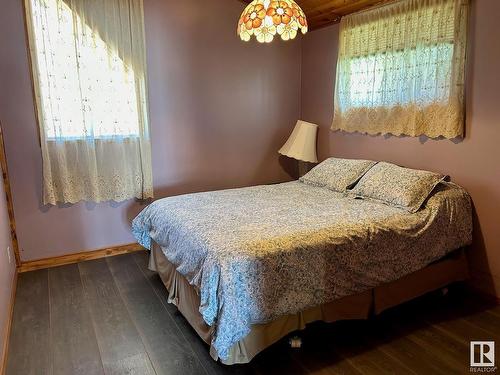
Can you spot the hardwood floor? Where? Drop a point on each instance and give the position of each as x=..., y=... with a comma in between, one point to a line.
x=110, y=316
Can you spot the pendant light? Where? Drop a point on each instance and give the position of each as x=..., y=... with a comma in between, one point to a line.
x=265, y=19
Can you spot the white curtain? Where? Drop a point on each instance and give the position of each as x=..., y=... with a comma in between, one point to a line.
x=89, y=72
x=400, y=69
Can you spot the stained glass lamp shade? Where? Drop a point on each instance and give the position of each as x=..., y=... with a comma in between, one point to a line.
x=265, y=19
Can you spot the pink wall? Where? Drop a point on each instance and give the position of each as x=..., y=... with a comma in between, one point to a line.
x=473, y=162
x=220, y=110
x=7, y=268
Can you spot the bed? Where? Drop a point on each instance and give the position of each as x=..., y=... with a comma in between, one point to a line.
x=248, y=266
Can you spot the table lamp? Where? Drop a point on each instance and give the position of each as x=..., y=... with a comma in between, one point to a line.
x=301, y=145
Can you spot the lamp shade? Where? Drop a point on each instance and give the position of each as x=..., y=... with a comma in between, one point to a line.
x=301, y=144
x=267, y=19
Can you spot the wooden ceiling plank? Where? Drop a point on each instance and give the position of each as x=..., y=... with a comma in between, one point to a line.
x=349, y=9
x=321, y=13
x=330, y=5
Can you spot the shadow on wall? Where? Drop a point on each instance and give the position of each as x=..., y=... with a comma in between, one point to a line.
x=193, y=185
x=290, y=166
x=477, y=258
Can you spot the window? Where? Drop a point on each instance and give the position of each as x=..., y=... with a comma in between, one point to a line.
x=79, y=86
x=399, y=78
x=89, y=77
x=401, y=69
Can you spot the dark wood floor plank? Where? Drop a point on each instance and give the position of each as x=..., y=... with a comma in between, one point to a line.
x=30, y=342
x=74, y=344
x=451, y=315
x=357, y=355
x=318, y=357
x=486, y=321
x=411, y=355
x=168, y=349
x=461, y=329
x=404, y=335
x=371, y=360
x=449, y=351
x=122, y=350
x=278, y=359
x=196, y=343
x=348, y=341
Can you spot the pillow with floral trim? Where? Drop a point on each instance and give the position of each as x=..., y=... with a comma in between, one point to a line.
x=337, y=174
x=397, y=186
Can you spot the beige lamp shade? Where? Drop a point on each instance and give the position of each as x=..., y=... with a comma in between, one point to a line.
x=302, y=142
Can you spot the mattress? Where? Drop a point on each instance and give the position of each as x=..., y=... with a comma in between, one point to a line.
x=259, y=253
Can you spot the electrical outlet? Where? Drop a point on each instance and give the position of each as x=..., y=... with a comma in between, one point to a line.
x=9, y=254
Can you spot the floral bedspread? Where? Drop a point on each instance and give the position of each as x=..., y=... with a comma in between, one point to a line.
x=257, y=253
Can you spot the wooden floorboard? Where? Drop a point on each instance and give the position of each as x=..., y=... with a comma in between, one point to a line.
x=30, y=342
x=411, y=354
x=122, y=350
x=200, y=349
x=346, y=348
x=394, y=334
x=168, y=349
x=74, y=344
x=112, y=315
x=360, y=352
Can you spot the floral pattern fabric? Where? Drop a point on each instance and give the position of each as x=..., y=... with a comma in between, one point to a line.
x=401, y=187
x=337, y=174
x=258, y=253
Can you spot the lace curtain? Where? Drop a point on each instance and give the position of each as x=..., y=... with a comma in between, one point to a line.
x=89, y=72
x=401, y=69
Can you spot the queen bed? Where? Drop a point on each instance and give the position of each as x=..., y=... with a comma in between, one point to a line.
x=247, y=266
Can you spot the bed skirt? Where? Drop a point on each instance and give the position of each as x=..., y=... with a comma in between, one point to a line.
x=450, y=269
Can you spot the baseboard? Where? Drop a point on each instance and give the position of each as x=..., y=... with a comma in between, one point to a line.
x=33, y=265
x=5, y=351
